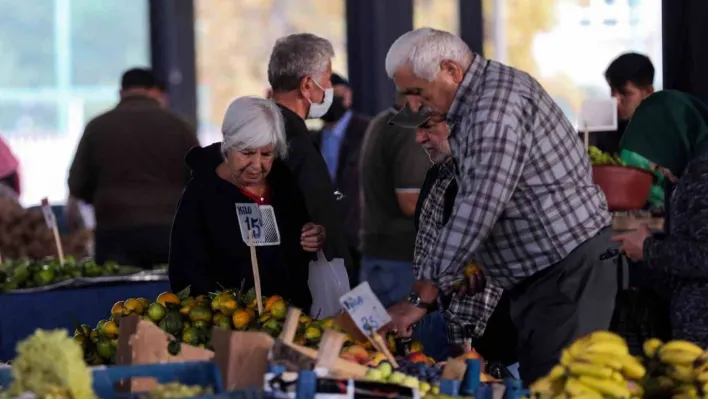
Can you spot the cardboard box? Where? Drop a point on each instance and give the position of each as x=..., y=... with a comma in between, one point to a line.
x=241, y=356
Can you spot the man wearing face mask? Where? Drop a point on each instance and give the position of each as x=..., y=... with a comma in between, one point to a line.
x=339, y=142
x=299, y=73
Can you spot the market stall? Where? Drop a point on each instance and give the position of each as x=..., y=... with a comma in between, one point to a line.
x=24, y=312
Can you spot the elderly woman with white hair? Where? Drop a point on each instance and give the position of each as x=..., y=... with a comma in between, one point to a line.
x=245, y=173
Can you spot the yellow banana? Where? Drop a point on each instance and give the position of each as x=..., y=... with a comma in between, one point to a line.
x=556, y=372
x=617, y=376
x=545, y=387
x=600, y=359
x=566, y=357
x=575, y=388
x=593, y=370
x=681, y=373
x=701, y=375
x=606, y=336
x=685, y=346
x=606, y=387
x=687, y=389
x=631, y=367
x=608, y=348
x=677, y=357
x=651, y=346
x=578, y=347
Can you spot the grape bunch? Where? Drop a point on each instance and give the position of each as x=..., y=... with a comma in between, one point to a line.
x=422, y=371
x=176, y=390
x=597, y=157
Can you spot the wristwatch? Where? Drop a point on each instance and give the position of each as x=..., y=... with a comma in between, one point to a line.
x=414, y=299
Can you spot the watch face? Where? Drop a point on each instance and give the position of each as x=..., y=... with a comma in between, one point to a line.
x=414, y=299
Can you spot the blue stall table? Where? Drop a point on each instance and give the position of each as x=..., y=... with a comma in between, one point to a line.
x=21, y=314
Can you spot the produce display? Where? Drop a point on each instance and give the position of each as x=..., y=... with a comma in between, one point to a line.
x=50, y=365
x=411, y=374
x=24, y=234
x=597, y=157
x=599, y=365
x=191, y=319
x=25, y=273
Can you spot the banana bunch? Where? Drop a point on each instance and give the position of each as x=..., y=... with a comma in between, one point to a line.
x=677, y=368
x=593, y=367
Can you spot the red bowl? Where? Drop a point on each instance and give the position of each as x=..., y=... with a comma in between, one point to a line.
x=626, y=187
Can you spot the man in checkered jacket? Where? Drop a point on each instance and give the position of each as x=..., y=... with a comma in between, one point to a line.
x=481, y=317
x=526, y=207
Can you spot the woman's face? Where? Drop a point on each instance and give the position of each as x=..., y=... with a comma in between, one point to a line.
x=250, y=166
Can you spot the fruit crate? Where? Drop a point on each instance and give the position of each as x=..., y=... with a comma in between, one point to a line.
x=105, y=379
x=205, y=374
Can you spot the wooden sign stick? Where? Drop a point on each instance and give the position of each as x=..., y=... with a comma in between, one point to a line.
x=256, y=272
x=57, y=241
x=381, y=346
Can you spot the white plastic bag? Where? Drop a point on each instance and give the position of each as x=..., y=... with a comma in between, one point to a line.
x=328, y=281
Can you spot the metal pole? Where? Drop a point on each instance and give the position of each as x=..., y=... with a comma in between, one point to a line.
x=62, y=59
x=500, y=50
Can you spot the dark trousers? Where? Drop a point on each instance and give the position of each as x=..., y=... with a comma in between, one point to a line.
x=555, y=306
x=144, y=247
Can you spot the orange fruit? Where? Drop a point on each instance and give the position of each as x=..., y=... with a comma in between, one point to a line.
x=145, y=302
x=241, y=319
x=471, y=269
x=228, y=306
x=327, y=323
x=270, y=301
x=110, y=329
x=200, y=313
x=251, y=312
x=117, y=309
x=167, y=297
x=278, y=309
x=132, y=306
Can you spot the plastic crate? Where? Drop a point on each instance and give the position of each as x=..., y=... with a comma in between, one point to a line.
x=204, y=374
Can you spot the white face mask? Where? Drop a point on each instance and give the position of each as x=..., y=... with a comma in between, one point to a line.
x=318, y=110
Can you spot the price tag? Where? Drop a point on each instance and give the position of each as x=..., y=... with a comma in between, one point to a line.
x=48, y=213
x=365, y=309
x=249, y=218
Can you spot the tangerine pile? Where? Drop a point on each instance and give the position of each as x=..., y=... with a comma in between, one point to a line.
x=190, y=320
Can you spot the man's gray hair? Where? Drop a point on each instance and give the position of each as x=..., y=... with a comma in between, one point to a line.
x=253, y=122
x=424, y=49
x=297, y=56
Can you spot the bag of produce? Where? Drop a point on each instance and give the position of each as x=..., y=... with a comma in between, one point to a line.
x=328, y=281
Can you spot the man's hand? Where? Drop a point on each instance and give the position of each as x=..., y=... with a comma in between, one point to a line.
x=403, y=317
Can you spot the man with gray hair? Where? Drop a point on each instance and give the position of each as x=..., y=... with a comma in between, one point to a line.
x=526, y=207
x=299, y=73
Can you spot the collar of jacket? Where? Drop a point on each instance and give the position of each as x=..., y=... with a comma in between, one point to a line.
x=139, y=100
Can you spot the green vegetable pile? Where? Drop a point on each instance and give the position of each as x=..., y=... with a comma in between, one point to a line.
x=25, y=273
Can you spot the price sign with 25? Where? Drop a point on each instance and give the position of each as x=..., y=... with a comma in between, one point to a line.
x=365, y=309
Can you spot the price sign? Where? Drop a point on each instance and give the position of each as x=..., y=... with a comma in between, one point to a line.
x=249, y=218
x=365, y=309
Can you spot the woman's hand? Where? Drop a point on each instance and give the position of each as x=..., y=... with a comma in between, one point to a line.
x=313, y=237
x=633, y=243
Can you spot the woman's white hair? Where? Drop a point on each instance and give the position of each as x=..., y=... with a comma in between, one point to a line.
x=253, y=122
x=423, y=49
